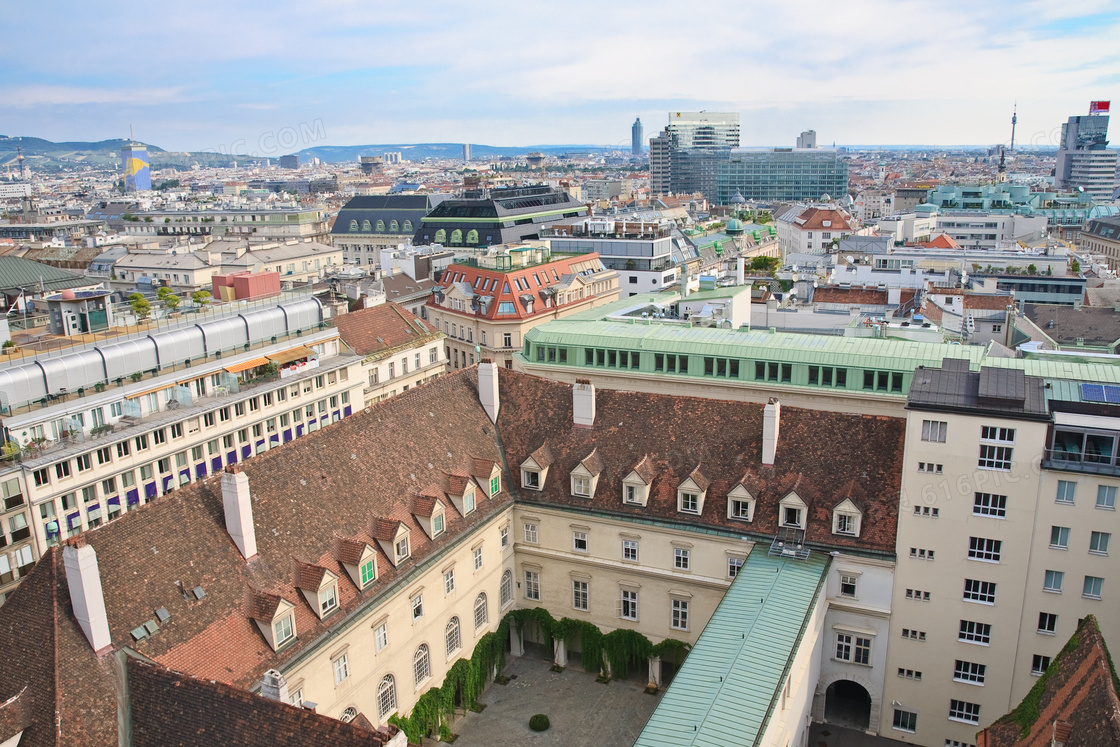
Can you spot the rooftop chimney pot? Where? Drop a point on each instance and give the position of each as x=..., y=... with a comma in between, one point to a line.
x=239, y=512
x=274, y=686
x=488, y=388
x=583, y=403
x=771, y=416
x=84, y=581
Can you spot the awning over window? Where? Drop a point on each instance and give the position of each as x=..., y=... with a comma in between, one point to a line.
x=294, y=354
x=246, y=365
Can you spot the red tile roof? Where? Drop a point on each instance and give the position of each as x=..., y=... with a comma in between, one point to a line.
x=307, y=576
x=349, y=550
x=814, y=219
x=385, y=529
x=942, y=241
x=383, y=327
x=850, y=296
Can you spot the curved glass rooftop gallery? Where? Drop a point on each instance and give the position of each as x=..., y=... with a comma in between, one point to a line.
x=828, y=362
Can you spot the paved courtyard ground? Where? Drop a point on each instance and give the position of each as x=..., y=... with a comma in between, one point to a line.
x=827, y=735
x=582, y=711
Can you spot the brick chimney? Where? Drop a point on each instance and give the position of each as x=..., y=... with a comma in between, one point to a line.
x=274, y=686
x=770, y=420
x=583, y=403
x=239, y=512
x=84, y=580
x=488, y=387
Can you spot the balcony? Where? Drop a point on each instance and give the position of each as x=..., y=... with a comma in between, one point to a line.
x=1077, y=450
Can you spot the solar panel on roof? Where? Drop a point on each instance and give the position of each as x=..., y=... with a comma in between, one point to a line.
x=1092, y=393
x=1112, y=394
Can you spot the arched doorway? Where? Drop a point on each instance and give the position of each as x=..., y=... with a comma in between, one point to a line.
x=847, y=703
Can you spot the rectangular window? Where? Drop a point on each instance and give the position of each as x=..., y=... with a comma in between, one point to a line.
x=1066, y=489
x=979, y=591
x=532, y=586
x=368, y=572
x=42, y=477
x=531, y=533
x=905, y=720
x=980, y=548
x=1053, y=581
x=1039, y=665
x=734, y=565
x=989, y=504
x=909, y=674
x=918, y=594
x=848, y=584
x=853, y=648
x=995, y=457
x=580, y=599
x=690, y=503
x=787, y=373
x=503, y=537
x=581, y=485
x=959, y=710
x=381, y=636
x=282, y=630
x=679, y=619
x=914, y=635
x=477, y=557
x=579, y=541
x=449, y=581
x=1092, y=588
x=1106, y=497
x=437, y=525
x=934, y=430
x=417, y=606
x=975, y=632
x=681, y=558
x=741, y=510
x=1047, y=622
x=402, y=549
x=968, y=671
x=84, y=462
x=1098, y=543
x=630, y=550
x=629, y=605
x=341, y=669
x=1002, y=435
x=62, y=469
x=1059, y=538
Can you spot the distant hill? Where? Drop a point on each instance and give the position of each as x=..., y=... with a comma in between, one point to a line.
x=46, y=156
x=420, y=151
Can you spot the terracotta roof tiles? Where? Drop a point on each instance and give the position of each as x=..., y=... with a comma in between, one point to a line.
x=349, y=550
x=382, y=328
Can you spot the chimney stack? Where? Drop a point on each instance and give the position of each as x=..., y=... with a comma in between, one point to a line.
x=741, y=271
x=488, y=387
x=274, y=686
x=239, y=512
x=770, y=420
x=583, y=403
x=84, y=580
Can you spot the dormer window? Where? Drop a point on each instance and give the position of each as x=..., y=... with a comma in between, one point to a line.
x=283, y=630
x=534, y=470
x=429, y=511
x=635, y=486
x=740, y=504
x=531, y=479
x=437, y=524
x=358, y=559
x=791, y=516
x=581, y=486
x=691, y=492
x=792, y=511
x=401, y=549
x=846, y=519
x=328, y=599
x=630, y=494
x=495, y=485
x=368, y=572
x=468, y=501
x=690, y=502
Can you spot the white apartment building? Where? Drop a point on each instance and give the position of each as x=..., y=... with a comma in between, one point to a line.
x=975, y=229
x=812, y=230
x=255, y=224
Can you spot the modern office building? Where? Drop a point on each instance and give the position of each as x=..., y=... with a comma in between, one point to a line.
x=807, y=139
x=506, y=215
x=640, y=252
x=369, y=224
x=467, y=152
x=782, y=175
x=637, y=143
x=135, y=171
x=695, y=145
x=485, y=305
x=289, y=162
x=258, y=224
x=1101, y=236
x=1084, y=161
x=660, y=164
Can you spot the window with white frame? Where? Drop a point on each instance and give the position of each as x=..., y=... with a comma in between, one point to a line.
x=1047, y=623
x=630, y=550
x=848, y=584
x=1092, y=587
x=1066, y=491
x=401, y=549
x=530, y=479
x=689, y=502
x=449, y=581
x=581, y=486
x=845, y=523
x=971, y=631
x=1059, y=538
x=580, y=597
x=679, y=619
x=503, y=537
x=905, y=720
x=451, y=637
x=994, y=457
x=628, y=605
x=734, y=565
x=579, y=540
x=960, y=710
x=386, y=697
x=1052, y=581
x=328, y=599
x=421, y=665
x=1098, y=542
x=282, y=630
x=476, y=555
x=981, y=548
x=997, y=434
x=468, y=501
x=341, y=665
x=1039, y=665
x=853, y=648
x=533, y=586
x=969, y=671
x=989, y=504
x=934, y=430
x=682, y=558
x=739, y=509
x=632, y=494
x=531, y=533
x=437, y=524
x=417, y=606
x=979, y=591
x=481, y=614
x=381, y=636
x=1106, y=497
x=505, y=589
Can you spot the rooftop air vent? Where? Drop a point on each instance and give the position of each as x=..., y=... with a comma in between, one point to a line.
x=163, y=615
x=198, y=592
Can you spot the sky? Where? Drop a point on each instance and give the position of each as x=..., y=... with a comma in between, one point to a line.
x=268, y=78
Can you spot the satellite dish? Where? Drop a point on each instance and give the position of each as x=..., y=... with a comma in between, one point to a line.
x=851, y=259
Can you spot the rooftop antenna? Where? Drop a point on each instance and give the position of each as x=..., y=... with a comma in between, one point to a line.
x=131, y=138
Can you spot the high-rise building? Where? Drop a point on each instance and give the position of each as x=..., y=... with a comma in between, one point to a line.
x=289, y=162
x=636, y=137
x=134, y=164
x=697, y=143
x=659, y=163
x=466, y=151
x=807, y=139
x=782, y=174
x=1083, y=159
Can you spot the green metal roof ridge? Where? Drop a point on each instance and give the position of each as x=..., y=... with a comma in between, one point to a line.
x=725, y=691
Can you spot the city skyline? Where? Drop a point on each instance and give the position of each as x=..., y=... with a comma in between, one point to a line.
x=348, y=75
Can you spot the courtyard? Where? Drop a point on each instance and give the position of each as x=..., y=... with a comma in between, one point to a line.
x=581, y=710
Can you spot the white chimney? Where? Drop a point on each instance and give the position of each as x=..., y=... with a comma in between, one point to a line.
x=274, y=686
x=488, y=387
x=583, y=403
x=84, y=581
x=770, y=417
x=239, y=512
x=741, y=271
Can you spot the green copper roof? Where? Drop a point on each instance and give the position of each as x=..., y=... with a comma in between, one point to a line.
x=728, y=687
